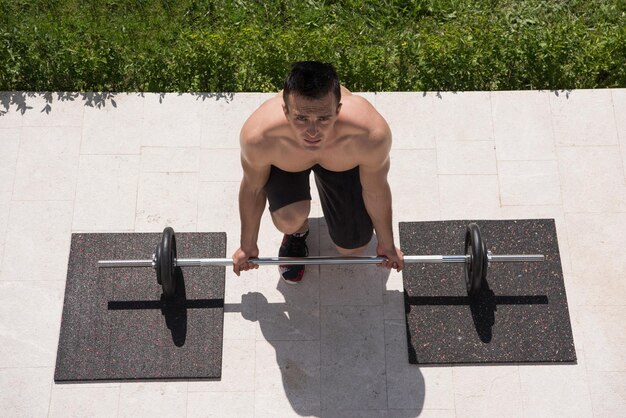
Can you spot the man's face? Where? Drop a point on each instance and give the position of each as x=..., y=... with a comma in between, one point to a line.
x=312, y=119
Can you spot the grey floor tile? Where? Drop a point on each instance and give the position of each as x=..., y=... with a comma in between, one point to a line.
x=25, y=392
x=162, y=399
x=463, y=116
x=414, y=185
x=220, y=165
x=5, y=208
x=287, y=379
x=12, y=108
x=84, y=401
x=53, y=109
x=463, y=197
x=106, y=181
x=10, y=141
x=47, y=164
x=31, y=319
x=218, y=405
x=487, y=391
x=238, y=364
x=619, y=111
x=591, y=179
x=167, y=199
x=605, y=338
x=608, y=393
x=223, y=118
x=593, y=239
x=405, y=382
x=113, y=124
x=467, y=157
x=297, y=318
x=583, y=118
x=37, y=241
x=171, y=120
x=410, y=117
x=408, y=386
x=522, y=125
x=170, y=160
x=556, y=390
x=218, y=210
x=529, y=183
x=353, y=358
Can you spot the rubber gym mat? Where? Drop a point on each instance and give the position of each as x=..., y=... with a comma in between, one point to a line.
x=521, y=316
x=117, y=326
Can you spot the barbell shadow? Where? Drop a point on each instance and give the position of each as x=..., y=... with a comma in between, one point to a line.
x=482, y=306
x=174, y=309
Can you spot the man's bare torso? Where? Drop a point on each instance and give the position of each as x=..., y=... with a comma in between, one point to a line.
x=346, y=146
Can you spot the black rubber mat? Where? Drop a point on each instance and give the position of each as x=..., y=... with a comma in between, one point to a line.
x=521, y=316
x=117, y=326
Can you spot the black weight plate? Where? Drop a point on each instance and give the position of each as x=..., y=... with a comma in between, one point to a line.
x=476, y=269
x=157, y=265
x=168, y=255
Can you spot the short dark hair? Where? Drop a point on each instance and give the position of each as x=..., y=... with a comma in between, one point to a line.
x=312, y=79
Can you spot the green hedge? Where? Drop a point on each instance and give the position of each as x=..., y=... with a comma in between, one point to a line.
x=246, y=45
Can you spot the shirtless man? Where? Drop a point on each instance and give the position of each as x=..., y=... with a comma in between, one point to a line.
x=315, y=124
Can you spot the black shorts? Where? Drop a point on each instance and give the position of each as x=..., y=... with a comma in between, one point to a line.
x=341, y=196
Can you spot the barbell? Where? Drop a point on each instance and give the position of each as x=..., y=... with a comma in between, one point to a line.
x=476, y=260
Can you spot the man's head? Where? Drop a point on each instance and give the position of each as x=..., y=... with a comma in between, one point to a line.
x=312, y=100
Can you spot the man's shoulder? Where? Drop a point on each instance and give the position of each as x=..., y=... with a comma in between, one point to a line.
x=360, y=109
x=262, y=122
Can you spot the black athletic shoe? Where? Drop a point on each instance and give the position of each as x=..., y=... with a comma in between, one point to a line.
x=293, y=246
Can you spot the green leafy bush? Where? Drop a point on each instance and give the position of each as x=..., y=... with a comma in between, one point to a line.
x=248, y=45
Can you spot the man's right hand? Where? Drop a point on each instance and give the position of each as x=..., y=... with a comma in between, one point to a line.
x=241, y=257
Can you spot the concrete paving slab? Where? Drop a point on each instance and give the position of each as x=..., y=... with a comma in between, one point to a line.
x=106, y=193
x=214, y=404
x=167, y=199
x=591, y=179
x=598, y=237
x=410, y=117
x=481, y=391
x=556, y=391
x=522, y=125
x=81, y=400
x=415, y=186
x=49, y=109
x=37, y=241
x=531, y=128
x=528, y=183
x=171, y=120
x=26, y=391
x=583, y=118
x=10, y=140
x=469, y=196
x=31, y=317
x=113, y=124
x=163, y=399
x=170, y=160
x=287, y=379
x=353, y=358
x=47, y=164
x=463, y=116
x=467, y=157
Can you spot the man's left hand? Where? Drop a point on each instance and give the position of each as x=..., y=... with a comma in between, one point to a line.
x=394, y=258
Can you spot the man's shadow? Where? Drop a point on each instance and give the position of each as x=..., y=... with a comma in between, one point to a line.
x=335, y=349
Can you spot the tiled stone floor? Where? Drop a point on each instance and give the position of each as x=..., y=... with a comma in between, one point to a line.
x=333, y=346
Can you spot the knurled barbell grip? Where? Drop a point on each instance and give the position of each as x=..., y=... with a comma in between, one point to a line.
x=408, y=259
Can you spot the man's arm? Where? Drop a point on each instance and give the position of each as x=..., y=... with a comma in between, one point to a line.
x=252, y=200
x=377, y=194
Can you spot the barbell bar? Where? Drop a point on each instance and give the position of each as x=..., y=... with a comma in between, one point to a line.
x=476, y=260
x=271, y=261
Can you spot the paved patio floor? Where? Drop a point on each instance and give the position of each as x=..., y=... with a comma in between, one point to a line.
x=331, y=346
